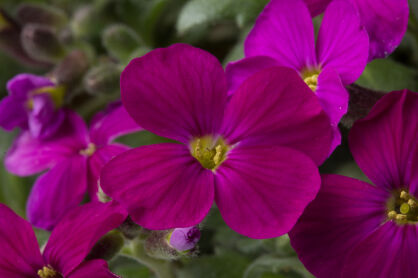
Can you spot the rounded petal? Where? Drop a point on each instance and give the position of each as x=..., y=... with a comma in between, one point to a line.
x=237, y=72
x=96, y=162
x=262, y=191
x=57, y=191
x=29, y=155
x=284, y=31
x=345, y=211
x=13, y=113
x=343, y=43
x=73, y=238
x=391, y=251
x=275, y=107
x=112, y=123
x=93, y=268
x=386, y=22
x=177, y=92
x=162, y=186
x=385, y=143
x=19, y=256
x=22, y=84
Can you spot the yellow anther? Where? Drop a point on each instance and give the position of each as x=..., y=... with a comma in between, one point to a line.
x=209, y=151
x=392, y=214
x=48, y=272
x=401, y=217
x=412, y=203
x=404, y=208
x=217, y=157
x=91, y=148
x=404, y=195
x=312, y=81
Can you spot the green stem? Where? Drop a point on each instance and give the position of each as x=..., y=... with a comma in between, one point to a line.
x=161, y=268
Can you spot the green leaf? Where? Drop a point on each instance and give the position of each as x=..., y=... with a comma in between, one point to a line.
x=387, y=75
x=285, y=267
x=120, y=41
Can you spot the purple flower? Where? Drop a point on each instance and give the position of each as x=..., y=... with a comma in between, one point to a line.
x=64, y=254
x=74, y=157
x=355, y=229
x=255, y=155
x=183, y=239
x=33, y=104
x=386, y=22
x=283, y=35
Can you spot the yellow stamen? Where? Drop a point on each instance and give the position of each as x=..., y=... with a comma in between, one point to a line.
x=402, y=208
x=310, y=76
x=209, y=151
x=404, y=195
x=91, y=148
x=57, y=94
x=392, y=214
x=48, y=272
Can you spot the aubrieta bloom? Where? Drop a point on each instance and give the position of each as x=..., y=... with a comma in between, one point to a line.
x=34, y=103
x=73, y=157
x=283, y=35
x=386, y=22
x=69, y=244
x=184, y=239
x=354, y=229
x=255, y=155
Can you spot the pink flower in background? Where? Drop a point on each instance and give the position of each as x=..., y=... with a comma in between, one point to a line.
x=34, y=104
x=283, y=35
x=386, y=22
x=73, y=157
x=355, y=229
x=183, y=239
x=255, y=155
x=69, y=244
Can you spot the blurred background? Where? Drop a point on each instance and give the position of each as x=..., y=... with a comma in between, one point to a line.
x=86, y=44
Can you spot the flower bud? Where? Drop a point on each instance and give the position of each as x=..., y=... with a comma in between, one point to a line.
x=183, y=239
x=107, y=247
x=41, y=14
x=41, y=43
x=102, y=79
x=70, y=69
x=120, y=41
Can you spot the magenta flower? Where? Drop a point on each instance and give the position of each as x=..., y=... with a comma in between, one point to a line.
x=256, y=155
x=283, y=35
x=33, y=104
x=386, y=22
x=64, y=254
x=355, y=229
x=183, y=239
x=74, y=157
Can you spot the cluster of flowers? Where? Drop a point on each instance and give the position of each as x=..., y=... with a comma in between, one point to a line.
x=251, y=139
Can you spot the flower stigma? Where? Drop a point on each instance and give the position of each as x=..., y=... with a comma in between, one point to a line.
x=310, y=76
x=209, y=151
x=48, y=272
x=403, y=208
x=91, y=148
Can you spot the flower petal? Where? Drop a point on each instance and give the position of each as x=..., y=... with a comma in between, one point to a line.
x=275, y=107
x=162, y=186
x=57, y=191
x=345, y=211
x=391, y=251
x=262, y=191
x=29, y=155
x=13, y=113
x=385, y=143
x=177, y=92
x=19, y=256
x=112, y=123
x=96, y=162
x=237, y=72
x=386, y=22
x=93, y=268
x=343, y=43
x=79, y=230
x=22, y=84
x=284, y=31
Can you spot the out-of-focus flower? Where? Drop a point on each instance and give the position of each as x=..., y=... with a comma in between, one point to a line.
x=64, y=254
x=34, y=104
x=183, y=239
x=74, y=155
x=386, y=22
x=255, y=155
x=283, y=35
x=355, y=229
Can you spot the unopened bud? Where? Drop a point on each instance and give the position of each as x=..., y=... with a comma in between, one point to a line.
x=41, y=14
x=183, y=239
x=103, y=79
x=88, y=22
x=107, y=247
x=41, y=43
x=120, y=41
x=70, y=69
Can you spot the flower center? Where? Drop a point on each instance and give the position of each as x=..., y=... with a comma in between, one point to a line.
x=48, y=272
x=403, y=208
x=310, y=76
x=91, y=148
x=55, y=92
x=209, y=151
